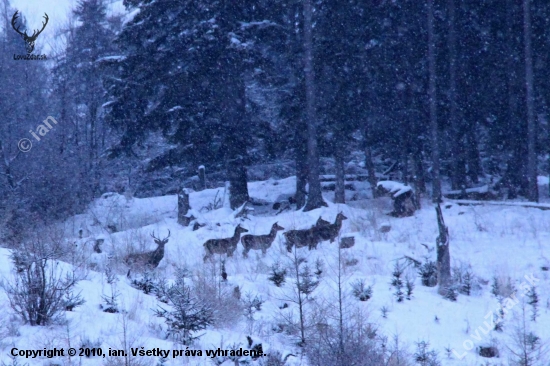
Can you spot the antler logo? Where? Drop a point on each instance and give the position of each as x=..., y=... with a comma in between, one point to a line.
x=29, y=40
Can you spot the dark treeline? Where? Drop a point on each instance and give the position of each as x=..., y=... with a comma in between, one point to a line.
x=453, y=94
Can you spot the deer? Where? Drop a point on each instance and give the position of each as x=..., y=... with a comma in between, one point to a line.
x=323, y=230
x=149, y=259
x=260, y=242
x=223, y=246
x=321, y=222
x=327, y=232
x=301, y=238
x=29, y=40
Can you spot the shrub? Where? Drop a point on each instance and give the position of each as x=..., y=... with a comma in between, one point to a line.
x=465, y=280
x=278, y=274
x=397, y=281
x=425, y=357
x=188, y=315
x=110, y=301
x=146, y=283
x=39, y=290
x=428, y=273
x=360, y=291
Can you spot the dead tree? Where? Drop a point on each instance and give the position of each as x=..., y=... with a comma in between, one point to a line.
x=183, y=208
x=202, y=178
x=443, y=254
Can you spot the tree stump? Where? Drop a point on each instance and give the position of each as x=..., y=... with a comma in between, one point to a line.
x=183, y=208
x=202, y=178
x=404, y=202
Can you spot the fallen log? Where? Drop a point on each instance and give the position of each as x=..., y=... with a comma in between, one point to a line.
x=540, y=206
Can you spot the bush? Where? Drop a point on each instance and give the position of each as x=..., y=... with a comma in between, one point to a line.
x=278, y=274
x=39, y=290
x=356, y=345
x=397, y=282
x=428, y=273
x=425, y=357
x=146, y=283
x=188, y=314
x=465, y=280
x=360, y=291
x=110, y=301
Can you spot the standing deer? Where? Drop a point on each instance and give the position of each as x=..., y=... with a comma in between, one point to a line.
x=223, y=246
x=29, y=40
x=149, y=259
x=301, y=238
x=321, y=222
x=322, y=231
x=260, y=242
x=327, y=232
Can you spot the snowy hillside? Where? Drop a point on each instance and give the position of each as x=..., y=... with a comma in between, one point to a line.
x=492, y=242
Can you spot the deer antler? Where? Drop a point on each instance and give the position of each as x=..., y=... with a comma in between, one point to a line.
x=35, y=34
x=160, y=241
x=13, y=20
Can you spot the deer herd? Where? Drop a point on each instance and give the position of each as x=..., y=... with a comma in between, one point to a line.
x=321, y=231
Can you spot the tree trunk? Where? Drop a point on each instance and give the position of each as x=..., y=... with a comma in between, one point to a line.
x=458, y=174
x=473, y=158
x=436, y=188
x=443, y=254
x=369, y=164
x=233, y=122
x=514, y=178
x=238, y=185
x=301, y=166
x=532, y=194
x=315, y=197
x=339, y=191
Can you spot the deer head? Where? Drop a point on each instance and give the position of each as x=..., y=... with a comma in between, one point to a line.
x=160, y=242
x=277, y=227
x=341, y=216
x=29, y=40
x=239, y=230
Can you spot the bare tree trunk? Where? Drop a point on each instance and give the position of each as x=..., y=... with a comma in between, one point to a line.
x=301, y=166
x=234, y=122
x=515, y=171
x=533, y=194
x=315, y=197
x=458, y=173
x=436, y=188
x=339, y=191
x=443, y=254
x=369, y=164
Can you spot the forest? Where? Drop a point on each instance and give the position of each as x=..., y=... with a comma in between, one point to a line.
x=450, y=95
x=300, y=109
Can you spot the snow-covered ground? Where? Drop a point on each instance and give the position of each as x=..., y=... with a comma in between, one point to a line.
x=496, y=241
